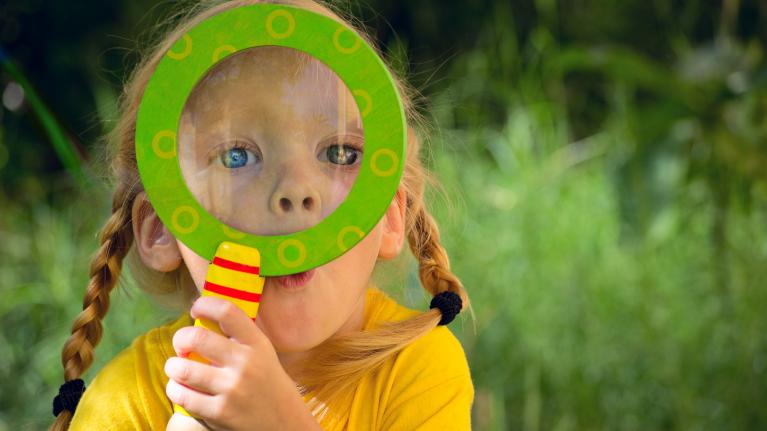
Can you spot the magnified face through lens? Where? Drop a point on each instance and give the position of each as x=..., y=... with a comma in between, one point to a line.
x=270, y=141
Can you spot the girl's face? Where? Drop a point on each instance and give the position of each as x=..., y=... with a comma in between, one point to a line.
x=270, y=142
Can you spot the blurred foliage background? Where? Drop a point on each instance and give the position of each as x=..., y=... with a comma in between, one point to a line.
x=605, y=165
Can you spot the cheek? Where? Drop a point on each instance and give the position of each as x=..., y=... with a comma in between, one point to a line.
x=348, y=277
x=196, y=264
x=357, y=264
x=245, y=204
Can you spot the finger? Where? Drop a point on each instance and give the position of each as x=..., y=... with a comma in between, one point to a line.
x=198, y=376
x=233, y=322
x=196, y=403
x=206, y=343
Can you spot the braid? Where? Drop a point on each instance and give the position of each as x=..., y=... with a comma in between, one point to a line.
x=433, y=263
x=77, y=355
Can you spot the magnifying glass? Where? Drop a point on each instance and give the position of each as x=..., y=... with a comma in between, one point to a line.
x=270, y=140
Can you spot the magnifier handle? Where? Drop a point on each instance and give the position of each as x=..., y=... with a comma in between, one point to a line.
x=232, y=275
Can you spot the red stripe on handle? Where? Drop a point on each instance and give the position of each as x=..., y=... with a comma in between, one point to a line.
x=232, y=293
x=228, y=264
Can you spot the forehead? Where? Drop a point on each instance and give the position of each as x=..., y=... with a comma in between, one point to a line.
x=268, y=77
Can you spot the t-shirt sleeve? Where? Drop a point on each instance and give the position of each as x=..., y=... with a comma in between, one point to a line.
x=128, y=393
x=430, y=387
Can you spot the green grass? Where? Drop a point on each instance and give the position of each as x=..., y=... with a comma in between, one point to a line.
x=581, y=323
x=607, y=214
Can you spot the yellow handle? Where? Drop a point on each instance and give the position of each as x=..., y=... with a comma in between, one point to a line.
x=233, y=275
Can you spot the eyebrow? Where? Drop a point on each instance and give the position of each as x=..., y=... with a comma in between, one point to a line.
x=353, y=124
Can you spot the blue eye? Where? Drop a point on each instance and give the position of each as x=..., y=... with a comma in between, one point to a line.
x=234, y=158
x=342, y=154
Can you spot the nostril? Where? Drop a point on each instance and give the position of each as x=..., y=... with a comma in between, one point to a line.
x=308, y=203
x=285, y=204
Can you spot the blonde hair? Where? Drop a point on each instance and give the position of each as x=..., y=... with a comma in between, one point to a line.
x=337, y=364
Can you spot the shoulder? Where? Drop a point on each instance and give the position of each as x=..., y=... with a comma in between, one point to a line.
x=428, y=383
x=438, y=349
x=435, y=360
x=129, y=392
x=380, y=308
x=430, y=386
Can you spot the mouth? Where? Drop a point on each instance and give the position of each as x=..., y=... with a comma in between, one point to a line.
x=294, y=281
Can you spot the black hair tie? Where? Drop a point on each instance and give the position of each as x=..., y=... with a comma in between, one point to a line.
x=68, y=397
x=449, y=304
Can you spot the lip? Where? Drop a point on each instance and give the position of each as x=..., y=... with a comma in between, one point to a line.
x=294, y=281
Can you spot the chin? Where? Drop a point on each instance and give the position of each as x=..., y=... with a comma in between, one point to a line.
x=291, y=338
x=301, y=318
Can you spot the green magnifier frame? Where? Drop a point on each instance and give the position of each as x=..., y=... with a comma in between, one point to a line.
x=330, y=42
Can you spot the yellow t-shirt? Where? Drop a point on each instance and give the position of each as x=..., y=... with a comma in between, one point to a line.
x=426, y=385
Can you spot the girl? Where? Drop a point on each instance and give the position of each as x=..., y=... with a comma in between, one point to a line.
x=328, y=348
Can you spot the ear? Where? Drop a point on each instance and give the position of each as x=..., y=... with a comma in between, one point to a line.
x=154, y=243
x=393, y=235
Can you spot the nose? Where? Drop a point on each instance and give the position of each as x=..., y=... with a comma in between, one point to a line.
x=295, y=194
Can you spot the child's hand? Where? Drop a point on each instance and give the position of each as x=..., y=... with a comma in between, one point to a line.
x=245, y=386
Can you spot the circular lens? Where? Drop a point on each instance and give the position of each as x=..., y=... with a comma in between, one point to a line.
x=158, y=134
x=270, y=141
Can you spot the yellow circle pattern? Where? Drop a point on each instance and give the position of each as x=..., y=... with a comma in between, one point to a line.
x=270, y=24
x=345, y=49
x=301, y=253
x=184, y=52
x=231, y=233
x=364, y=95
x=163, y=153
x=391, y=169
x=185, y=209
x=345, y=231
x=222, y=51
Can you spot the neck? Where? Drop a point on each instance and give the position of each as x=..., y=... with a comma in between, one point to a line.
x=291, y=361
